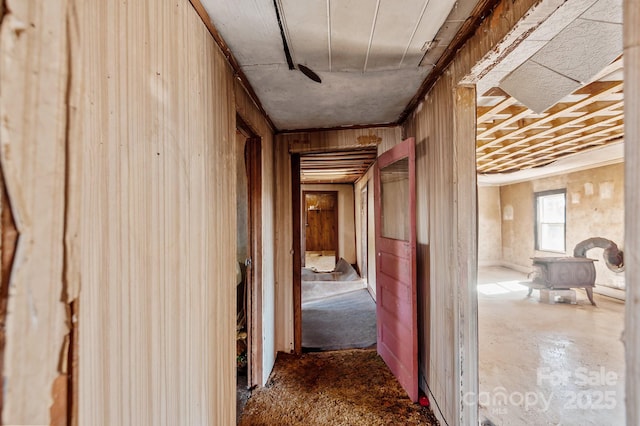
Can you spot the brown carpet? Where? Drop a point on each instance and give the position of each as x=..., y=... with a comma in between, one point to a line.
x=352, y=387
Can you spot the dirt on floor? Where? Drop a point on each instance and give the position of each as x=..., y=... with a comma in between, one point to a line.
x=352, y=387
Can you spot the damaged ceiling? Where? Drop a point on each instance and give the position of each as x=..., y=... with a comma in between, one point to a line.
x=372, y=56
x=552, y=93
x=559, y=92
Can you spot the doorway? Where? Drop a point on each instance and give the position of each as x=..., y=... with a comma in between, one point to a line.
x=320, y=239
x=364, y=232
x=333, y=309
x=550, y=183
x=249, y=261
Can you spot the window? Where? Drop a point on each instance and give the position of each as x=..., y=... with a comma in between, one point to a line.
x=550, y=220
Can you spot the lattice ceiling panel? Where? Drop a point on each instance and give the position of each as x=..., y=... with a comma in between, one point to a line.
x=511, y=137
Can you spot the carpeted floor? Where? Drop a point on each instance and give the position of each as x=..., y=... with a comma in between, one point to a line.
x=351, y=387
x=342, y=321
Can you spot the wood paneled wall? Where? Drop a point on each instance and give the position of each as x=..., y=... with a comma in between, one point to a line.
x=284, y=246
x=632, y=207
x=118, y=157
x=443, y=125
x=152, y=161
x=33, y=89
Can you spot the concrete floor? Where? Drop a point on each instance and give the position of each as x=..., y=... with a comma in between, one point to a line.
x=544, y=364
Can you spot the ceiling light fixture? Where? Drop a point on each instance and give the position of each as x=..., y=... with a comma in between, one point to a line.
x=309, y=73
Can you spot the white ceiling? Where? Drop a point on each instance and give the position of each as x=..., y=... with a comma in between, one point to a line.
x=371, y=55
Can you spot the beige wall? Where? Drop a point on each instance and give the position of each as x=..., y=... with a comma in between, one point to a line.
x=153, y=158
x=595, y=208
x=119, y=119
x=489, y=226
x=346, y=217
x=517, y=223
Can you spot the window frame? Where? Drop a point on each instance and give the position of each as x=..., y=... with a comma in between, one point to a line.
x=537, y=237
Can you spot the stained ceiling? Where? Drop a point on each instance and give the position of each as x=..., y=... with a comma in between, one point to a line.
x=371, y=56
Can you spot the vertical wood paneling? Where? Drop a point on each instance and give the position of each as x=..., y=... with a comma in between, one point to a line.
x=33, y=85
x=466, y=250
x=153, y=150
x=284, y=246
x=632, y=206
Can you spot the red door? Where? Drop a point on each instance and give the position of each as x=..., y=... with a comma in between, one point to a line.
x=396, y=300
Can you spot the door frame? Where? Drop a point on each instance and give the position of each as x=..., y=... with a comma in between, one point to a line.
x=364, y=232
x=253, y=167
x=296, y=189
x=336, y=220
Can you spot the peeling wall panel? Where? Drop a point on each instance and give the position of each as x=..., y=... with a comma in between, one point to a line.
x=33, y=84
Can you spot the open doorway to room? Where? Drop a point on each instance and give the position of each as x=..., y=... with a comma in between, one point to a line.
x=320, y=230
x=551, y=221
x=336, y=311
x=249, y=262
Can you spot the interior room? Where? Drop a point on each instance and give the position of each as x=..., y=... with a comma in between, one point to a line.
x=155, y=162
x=551, y=185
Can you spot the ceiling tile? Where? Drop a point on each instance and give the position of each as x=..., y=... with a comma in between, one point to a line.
x=563, y=16
x=606, y=11
x=582, y=49
x=537, y=87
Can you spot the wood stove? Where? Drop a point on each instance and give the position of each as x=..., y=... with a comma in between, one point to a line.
x=559, y=273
